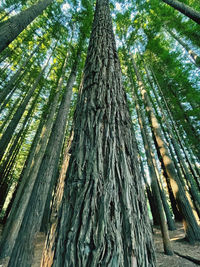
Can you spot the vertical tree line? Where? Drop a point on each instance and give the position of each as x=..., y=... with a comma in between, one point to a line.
x=98, y=139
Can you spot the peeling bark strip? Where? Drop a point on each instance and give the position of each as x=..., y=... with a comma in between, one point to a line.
x=12, y=27
x=103, y=220
x=184, y=9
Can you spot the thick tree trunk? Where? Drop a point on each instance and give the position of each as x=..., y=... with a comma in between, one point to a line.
x=12, y=27
x=191, y=227
x=30, y=174
x=103, y=220
x=22, y=253
x=184, y=9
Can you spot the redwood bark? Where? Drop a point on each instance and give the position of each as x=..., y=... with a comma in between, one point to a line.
x=103, y=219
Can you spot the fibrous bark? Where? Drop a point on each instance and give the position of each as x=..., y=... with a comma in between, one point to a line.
x=103, y=219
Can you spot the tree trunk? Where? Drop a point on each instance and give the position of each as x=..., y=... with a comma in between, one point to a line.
x=5, y=139
x=194, y=56
x=184, y=9
x=154, y=182
x=22, y=253
x=49, y=249
x=12, y=27
x=191, y=227
x=7, y=162
x=30, y=174
x=6, y=90
x=187, y=157
x=152, y=170
x=192, y=188
x=103, y=219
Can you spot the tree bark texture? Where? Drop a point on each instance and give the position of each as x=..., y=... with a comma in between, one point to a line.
x=184, y=9
x=103, y=220
x=22, y=254
x=12, y=27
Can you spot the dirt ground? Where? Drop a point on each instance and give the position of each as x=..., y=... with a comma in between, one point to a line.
x=179, y=245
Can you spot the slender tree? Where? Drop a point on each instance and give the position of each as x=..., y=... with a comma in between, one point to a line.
x=191, y=227
x=12, y=27
x=22, y=254
x=184, y=9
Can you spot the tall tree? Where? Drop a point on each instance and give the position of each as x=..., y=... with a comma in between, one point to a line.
x=22, y=254
x=184, y=9
x=103, y=193
x=12, y=27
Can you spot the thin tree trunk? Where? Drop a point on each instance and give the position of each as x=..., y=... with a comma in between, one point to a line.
x=6, y=163
x=191, y=227
x=21, y=253
x=12, y=27
x=5, y=139
x=30, y=174
x=49, y=248
x=194, y=56
x=154, y=182
x=21, y=182
x=103, y=219
x=193, y=189
x=6, y=90
x=184, y=9
x=195, y=175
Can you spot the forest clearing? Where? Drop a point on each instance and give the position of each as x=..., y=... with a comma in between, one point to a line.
x=99, y=133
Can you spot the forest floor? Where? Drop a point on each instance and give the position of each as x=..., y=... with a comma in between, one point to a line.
x=179, y=245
